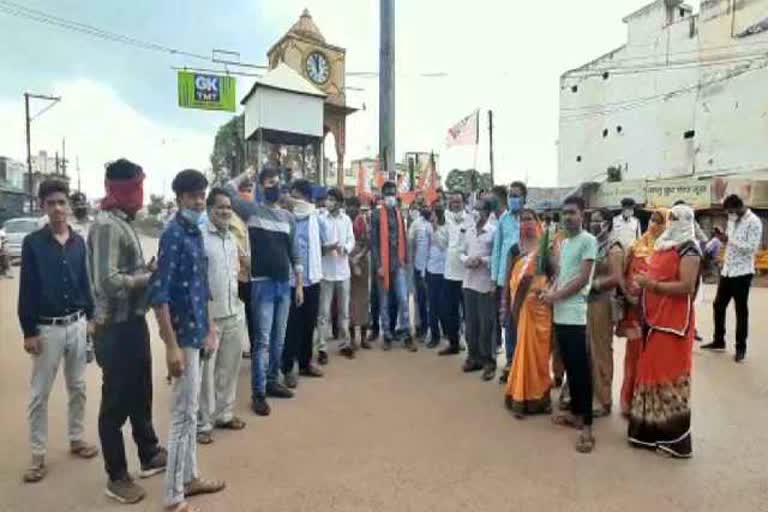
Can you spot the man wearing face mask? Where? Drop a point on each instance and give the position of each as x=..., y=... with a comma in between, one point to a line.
x=742, y=241
x=458, y=222
x=506, y=237
x=626, y=227
x=221, y=367
x=388, y=256
x=339, y=242
x=271, y=232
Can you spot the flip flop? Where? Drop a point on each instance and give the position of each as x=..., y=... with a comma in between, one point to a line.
x=234, y=424
x=182, y=507
x=585, y=444
x=204, y=438
x=84, y=450
x=202, y=486
x=565, y=420
x=35, y=473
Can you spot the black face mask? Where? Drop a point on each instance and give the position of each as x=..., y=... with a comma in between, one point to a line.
x=271, y=194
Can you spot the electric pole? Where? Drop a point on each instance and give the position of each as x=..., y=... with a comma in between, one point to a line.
x=387, y=88
x=28, y=122
x=490, y=134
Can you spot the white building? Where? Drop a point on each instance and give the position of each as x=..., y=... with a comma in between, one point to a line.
x=12, y=173
x=686, y=95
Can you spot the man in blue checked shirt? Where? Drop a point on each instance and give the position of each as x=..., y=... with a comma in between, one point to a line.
x=181, y=298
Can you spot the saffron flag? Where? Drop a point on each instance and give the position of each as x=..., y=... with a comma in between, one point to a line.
x=363, y=182
x=465, y=132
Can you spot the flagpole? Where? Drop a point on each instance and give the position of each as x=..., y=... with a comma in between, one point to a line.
x=490, y=142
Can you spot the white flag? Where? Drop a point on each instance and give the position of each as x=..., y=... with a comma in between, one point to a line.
x=465, y=132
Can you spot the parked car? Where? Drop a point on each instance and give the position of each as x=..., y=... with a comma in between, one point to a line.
x=14, y=231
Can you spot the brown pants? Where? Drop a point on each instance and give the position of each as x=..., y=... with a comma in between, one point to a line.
x=600, y=335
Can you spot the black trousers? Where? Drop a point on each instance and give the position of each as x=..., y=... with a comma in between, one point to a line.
x=300, y=330
x=375, y=311
x=122, y=351
x=244, y=292
x=736, y=288
x=452, y=302
x=435, y=286
x=572, y=341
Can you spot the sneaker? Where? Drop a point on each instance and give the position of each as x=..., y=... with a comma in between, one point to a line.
x=277, y=390
x=125, y=490
x=322, y=358
x=291, y=381
x=155, y=465
x=259, y=406
x=714, y=346
x=311, y=371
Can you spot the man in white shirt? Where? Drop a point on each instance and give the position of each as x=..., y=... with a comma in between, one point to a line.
x=221, y=367
x=626, y=227
x=479, y=288
x=458, y=222
x=339, y=242
x=743, y=238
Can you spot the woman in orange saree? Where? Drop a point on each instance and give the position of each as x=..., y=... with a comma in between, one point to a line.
x=529, y=381
x=660, y=416
x=630, y=327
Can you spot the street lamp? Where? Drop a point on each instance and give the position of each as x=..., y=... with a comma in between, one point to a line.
x=27, y=96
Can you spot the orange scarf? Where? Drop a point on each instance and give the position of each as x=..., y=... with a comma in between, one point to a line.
x=384, y=242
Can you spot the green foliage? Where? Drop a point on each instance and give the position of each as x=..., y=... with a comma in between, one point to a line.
x=468, y=181
x=156, y=204
x=229, y=157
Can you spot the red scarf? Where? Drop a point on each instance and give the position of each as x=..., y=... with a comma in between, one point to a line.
x=127, y=195
x=384, y=242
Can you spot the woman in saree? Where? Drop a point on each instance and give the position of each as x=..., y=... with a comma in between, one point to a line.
x=630, y=327
x=660, y=416
x=529, y=381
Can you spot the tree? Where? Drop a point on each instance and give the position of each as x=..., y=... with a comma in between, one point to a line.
x=229, y=149
x=468, y=181
x=156, y=204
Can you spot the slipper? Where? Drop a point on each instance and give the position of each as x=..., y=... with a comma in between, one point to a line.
x=234, y=424
x=83, y=450
x=585, y=444
x=202, y=486
x=565, y=420
x=182, y=507
x=204, y=438
x=35, y=473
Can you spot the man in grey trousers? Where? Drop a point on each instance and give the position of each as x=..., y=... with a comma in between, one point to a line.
x=55, y=300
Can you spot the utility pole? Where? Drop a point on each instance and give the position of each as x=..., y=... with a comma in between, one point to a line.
x=77, y=163
x=490, y=135
x=28, y=123
x=387, y=88
x=64, y=156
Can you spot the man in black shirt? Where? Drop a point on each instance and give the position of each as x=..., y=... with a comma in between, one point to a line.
x=54, y=302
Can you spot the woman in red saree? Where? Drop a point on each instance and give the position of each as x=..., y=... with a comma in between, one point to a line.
x=529, y=381
x=660, y=416
x=630, y=327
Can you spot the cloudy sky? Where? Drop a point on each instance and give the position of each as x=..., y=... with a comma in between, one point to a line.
x=121, y=101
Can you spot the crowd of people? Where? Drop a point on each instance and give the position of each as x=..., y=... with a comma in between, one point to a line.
x=296, y=277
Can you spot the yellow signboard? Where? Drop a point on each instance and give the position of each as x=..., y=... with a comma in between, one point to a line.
x=664, y=194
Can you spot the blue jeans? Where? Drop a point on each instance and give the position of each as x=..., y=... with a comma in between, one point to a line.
x=271, y=302
x=400, y=287
x=422, y=301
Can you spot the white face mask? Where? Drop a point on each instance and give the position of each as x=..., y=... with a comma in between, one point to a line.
x=390, y=201
x=628, y=213
x=458, y=216
x=732, y=217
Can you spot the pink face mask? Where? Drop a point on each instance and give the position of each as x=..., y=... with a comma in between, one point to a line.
x=528, y=230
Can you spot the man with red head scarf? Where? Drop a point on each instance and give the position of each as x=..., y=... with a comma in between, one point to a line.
x=120, y=276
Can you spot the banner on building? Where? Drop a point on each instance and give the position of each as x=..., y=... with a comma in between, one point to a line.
x=466, y=132
x=664, y=194
x=207, y=92
x=609, y=195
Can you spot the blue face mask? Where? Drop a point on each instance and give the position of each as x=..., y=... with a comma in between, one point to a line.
x=192, y=216
x=515, y=204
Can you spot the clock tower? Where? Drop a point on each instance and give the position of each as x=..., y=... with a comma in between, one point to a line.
x=304, y=49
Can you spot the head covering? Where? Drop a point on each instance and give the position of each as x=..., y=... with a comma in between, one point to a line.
x=126, y=195
x=646, y=244
x=680, y=228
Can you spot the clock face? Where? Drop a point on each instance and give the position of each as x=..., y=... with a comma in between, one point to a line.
x=318, y=69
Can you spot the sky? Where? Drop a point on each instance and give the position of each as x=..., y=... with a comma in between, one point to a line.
x=120, y=101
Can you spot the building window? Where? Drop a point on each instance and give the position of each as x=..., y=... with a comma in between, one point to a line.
x=689, y=134
x=682, y=13
x=578, y=158
x=605, y=133
x=619, y=129
x=606, y=75
x=574, y=88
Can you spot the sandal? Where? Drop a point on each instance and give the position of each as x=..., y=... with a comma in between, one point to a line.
x=202, y=486
x=585, y=444
x=566, y=420
x=182, y=507
x=83, y=450
x=234, y=424
x=204, y=438
x=35, y=473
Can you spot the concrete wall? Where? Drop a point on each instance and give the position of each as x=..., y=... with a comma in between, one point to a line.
x=664, y=109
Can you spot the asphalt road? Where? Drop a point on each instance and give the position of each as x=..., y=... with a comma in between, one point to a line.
x=409, y=432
